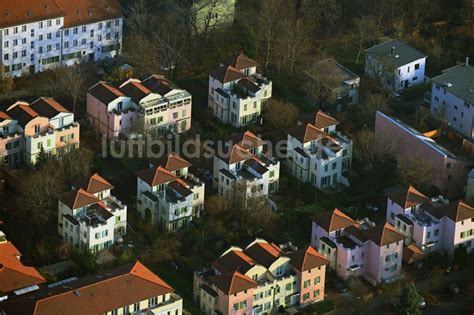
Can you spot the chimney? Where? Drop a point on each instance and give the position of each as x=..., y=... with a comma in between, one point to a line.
x=392, y=51
x=467, y=61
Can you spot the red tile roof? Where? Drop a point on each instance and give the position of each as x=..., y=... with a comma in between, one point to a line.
x=234, y=260
x=384, y=234
x=456, y=211
x=246, y=140
x=408, y=197
x=263, y=253
x=26, y=11
x=172, y=162
x=156, y=176
x=22, y=112
x=98, y=294
x=47, y=107
x=232, y=283
x=105, y=92
x=227, y=74
x=333, y=220
x=240, y=62
x=13, y=274
x=78, y=198
x=134, y=89
x=307, y=133
x=4, y=116
x=92, y=184
x=412, y=254
x=234, y=154
x=319, y=119
x=307, y=258
x=81, y=12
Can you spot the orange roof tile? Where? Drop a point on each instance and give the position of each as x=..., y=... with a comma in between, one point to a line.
x=307, y=258
x=81, y=12
x=172, y=162
x=92, y=184
x=408, y=197
x=232, y=283
x=384, y=234
x=333, y=220
x=78, y=198
x=156, y=176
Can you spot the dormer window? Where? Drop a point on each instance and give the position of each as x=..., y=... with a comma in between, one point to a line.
x=119, y=105
x=37, y=128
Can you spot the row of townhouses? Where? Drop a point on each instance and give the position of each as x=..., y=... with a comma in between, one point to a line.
x=27, y=129
x=43, y=34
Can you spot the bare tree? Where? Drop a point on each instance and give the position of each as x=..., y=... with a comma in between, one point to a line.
x=267, y=24
x=140, y=17
x=415, y=170
x=366, y=30
x=281, y=114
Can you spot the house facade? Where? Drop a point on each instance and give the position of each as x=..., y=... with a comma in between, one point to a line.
x=335, y=86
x=15, y=278
x=154, y=106
x=242, y=170
x=449, y=171
x=396, y=64
x=27, y=129
x=128, y=289
x=431, y=224
x=453, y=100
x=237, y=92
x=317, y=153
x=36, y=36
x=168, y=196
x=89, y=216
x=358, y=248
x=259, y=279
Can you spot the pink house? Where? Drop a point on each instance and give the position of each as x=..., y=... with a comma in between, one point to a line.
x=260, y=279
x=11, y=140
x=156, y=106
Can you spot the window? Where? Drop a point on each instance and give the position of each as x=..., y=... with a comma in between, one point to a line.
x=306, y=284
x=317, y=280
x=66, y=32
x=417, y=66
x=175, y=115
x=117, y=22
x=15, y=30
x=75, y=30
x=58, y=21
x=306, y=297
x=316, y=293
x=153, y=301
x=288, y=287
x=40, y=38
x=84, y=28
x=66, y=44
x=15, y=42
x=334, y=165
x=100, y=25
x=279, y=271
x=48, y=36
x=136, y=307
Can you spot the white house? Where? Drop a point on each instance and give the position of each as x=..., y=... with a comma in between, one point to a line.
x=38, y=35
x=317, y=153
x=89, y=216
x=168, y=196
x=431, y=224
x=237, y=92
x=358, y=248
x=243, y=170
x=396, y=64
x=452, y=98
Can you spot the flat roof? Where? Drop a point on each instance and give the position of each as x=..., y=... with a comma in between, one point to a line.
x=458, y=80
x=396, y=52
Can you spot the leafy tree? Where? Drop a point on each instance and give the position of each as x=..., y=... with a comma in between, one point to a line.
x=248, y=40
x=85, y=260
x=408, y=301
x=41, y=159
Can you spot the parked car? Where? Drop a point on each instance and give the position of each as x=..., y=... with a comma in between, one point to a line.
x=452, y=287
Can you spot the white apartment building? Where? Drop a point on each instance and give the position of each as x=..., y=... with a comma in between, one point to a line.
x=452, y=98
x=39, y=35
x=431, y=224
x=358, y=248
x=237, y=92
x=89, y=216
x=396, y=64
x=317, y=153
x=28, y=129
x=168, y=196
x=242, y=169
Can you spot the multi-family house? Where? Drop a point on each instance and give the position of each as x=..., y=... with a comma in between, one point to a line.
x=430, y=224
x=334, y=87
x=237, y=92
x=243, y=169
x=396, y=64
x=452, y=98
x=127, y=289
x=89, y=216
x=317, y=153
x=260, y=279
x=15, y=278
x=358, y=248
x=40, y=35
x=28, y=129
x=392, y=136
x=168, y=196
x=155, y=106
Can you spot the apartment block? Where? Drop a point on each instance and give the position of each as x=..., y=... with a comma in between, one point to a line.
x=40, y=35
x=89, y=216
x=318, y=154
x=15, y=278
x=452, y=98
x=168, y=196
x=358, y=248
x=430, y=224
x=128, y=289
x=243, y=169
x=154, y=106
x=397, y=65
x=237, y=92
x=259, y=279
x=27, y=129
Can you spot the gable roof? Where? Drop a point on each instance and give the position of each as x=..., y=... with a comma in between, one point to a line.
x=105, y=92
x=78, y=198
x=134, y=89
x=47, y=107
x=26, y=11
x=226, y=74
x=232, y=283
x=307, y=258
x=81, y=12
x=156, y=176
x=233, y=154
x=22, y=112
x=383, y=234
x=457, y=211
x=411, y=254
x=13, y=274
x=264, y=253
x=240, y=62
x=159, y=84
x=96, y=294
x=333, y=220
x=408, y=197
x=172, y=162
x=307, y=133
x=395, y=52
x=4, y=116
x=92, y=184
x=319, y=119
x=247, y=140
x=234, y=260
